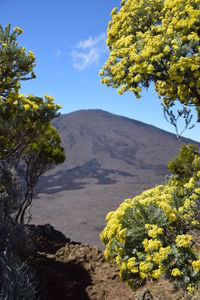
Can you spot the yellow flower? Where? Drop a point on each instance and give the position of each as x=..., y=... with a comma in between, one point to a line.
x=101, y=73
x=134, y=270
x=172, y=217
x=31, y=55
x=131, y=263
x=145, y=269
x=118, y=260
x=154, y=231
x=183, y=240
x=21, y=96
x=166, y=49
x=35, y=106
x=58, y=106
x=176, y=272
x=4, y=45
x=48, y=97
x=122, y=235
x=157, y=258
x=156, y=274
x=196, y=265
x=27, y=106
x=18, y=29
x=194, y=222
x=151, y=245
x=109, y=215
x=190, y=289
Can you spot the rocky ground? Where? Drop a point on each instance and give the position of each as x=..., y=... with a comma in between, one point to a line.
x=69, y=270
x=76, y=271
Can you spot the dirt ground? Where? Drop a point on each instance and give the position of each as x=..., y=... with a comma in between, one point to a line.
x=69, y=270
x=77, y=272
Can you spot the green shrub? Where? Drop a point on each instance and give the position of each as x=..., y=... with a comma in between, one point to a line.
x=153, y=235
x=183, y=166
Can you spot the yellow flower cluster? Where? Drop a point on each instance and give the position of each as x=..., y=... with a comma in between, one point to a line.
x=183, y=240
x=30, y=102
x=145, y=269
x=156, y=242
x=176, y=272
x=151, y=245
x=154, y=230
x=190, y=289
x=156, y=274
x=155, y=40
x=161, y=255
x=196, y=265
x=132, y=266
x=18, y=29
x=31, y=55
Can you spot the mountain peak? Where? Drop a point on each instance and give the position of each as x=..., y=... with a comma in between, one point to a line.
x=108, y=158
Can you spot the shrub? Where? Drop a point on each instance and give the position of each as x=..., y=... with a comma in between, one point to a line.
x=154, y=235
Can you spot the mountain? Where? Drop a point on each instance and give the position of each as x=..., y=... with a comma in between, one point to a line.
x=108, y=158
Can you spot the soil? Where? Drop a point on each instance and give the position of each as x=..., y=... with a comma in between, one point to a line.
x=70, y=270
x=76, y=271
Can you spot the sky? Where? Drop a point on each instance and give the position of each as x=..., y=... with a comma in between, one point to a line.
x=68, y=39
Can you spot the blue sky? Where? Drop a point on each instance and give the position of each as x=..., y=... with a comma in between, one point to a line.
x=68, y=40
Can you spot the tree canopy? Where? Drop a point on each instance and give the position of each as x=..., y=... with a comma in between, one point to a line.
x=29, y=146
x=15, y=64
x=155, y=41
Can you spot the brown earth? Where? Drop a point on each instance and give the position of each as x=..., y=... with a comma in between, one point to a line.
x=76, y=271
x=69, y=270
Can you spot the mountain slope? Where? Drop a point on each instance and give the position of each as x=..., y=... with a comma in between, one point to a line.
x=108, y=158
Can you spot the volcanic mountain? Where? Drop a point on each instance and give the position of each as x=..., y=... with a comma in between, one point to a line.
x=108, y=158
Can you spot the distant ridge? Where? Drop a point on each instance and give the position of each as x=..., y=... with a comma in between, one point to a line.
x=104, y=113
x=108, y=158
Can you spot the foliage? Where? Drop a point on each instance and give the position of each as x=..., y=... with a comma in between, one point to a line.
x=29, y=145
x=154, y=235
x=155, y=41
x=184, y=166
x=24, y=282
x=15, y=64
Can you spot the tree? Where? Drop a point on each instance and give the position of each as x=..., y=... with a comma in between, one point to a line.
x=29, y=145
x=40, y=156
x=156, y=42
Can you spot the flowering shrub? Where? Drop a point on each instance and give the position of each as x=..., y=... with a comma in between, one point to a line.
x=153, y=235
x=155, y=41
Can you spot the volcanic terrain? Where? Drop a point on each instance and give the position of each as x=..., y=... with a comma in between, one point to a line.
x=108, y=158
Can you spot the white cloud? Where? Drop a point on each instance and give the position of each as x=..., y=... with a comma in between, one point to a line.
x=88, y=52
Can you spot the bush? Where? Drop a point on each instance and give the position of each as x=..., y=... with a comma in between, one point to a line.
x=183, y=166
x=154, y=235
